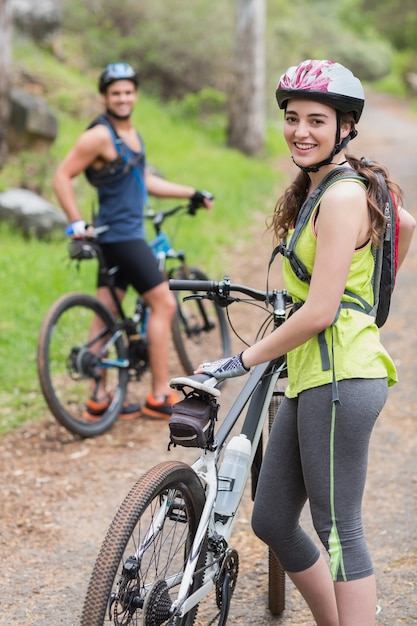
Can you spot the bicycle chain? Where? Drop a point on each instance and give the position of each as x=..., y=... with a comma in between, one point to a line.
x=214, y=619
x=231, y=563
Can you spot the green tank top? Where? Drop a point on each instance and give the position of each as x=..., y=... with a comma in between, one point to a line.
x=353, y=341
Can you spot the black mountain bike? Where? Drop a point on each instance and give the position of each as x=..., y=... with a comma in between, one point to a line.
x=70, y=361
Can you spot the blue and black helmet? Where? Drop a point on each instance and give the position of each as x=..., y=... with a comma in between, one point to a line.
x=116, y=71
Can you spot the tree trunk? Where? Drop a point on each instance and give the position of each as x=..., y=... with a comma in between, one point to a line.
x=5, y=63
x=246, y=128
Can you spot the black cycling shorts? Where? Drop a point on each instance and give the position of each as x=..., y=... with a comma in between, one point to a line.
x=136, y=265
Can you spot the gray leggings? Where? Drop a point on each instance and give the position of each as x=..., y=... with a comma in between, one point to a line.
x=321, y=455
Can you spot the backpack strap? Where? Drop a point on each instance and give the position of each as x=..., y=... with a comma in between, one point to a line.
x=385, y=259
x=324, y=351
x=118, y=144
x=288, y=251
x=298, y=267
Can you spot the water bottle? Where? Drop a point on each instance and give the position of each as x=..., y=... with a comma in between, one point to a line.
x=233, y=473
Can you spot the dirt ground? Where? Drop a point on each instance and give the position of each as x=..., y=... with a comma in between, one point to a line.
x=59, y=494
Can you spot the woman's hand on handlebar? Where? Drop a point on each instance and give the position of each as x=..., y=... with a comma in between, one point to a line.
x=230, y=367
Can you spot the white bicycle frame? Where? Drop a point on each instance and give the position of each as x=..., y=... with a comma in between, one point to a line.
x=206, y=469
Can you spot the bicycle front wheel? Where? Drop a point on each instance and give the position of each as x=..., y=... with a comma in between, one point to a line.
x=140, y=565
x=199, y=329
x=68, y=365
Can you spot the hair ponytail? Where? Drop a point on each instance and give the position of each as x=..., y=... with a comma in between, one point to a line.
x=368, y=169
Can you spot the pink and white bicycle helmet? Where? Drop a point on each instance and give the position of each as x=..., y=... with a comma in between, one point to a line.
x=325, y=81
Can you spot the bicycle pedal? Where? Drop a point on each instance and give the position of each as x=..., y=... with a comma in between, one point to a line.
x=199, y=382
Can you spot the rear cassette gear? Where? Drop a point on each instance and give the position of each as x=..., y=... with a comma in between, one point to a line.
x=157, y=607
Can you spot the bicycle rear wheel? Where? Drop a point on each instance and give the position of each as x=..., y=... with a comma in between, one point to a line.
x=68, y=366
x=139, y=569
x=276, y=575
x=199, y=329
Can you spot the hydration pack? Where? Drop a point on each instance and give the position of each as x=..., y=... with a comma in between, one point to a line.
x=385, y=253
x=109, y=171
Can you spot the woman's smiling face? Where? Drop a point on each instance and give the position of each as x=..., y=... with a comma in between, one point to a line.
x=310, y=131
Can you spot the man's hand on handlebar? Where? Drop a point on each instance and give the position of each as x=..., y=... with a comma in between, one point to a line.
x=200, y=199
x=79, y=230
x=224, y=368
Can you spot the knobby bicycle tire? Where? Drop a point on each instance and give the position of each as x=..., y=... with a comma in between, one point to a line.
x=133, y=590
x=276, y=574
x=199, y=328
x=66, y=364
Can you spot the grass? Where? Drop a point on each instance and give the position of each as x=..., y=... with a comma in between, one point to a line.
x=35, y=273
x=32, y=277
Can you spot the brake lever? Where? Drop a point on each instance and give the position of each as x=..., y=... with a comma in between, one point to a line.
x=196, y=296
x=221, y=301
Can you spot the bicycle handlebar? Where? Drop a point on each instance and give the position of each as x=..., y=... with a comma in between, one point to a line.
x=79, y=251
x=159, y=217
x=221, y=291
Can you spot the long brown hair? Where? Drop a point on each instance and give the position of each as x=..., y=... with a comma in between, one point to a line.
x=289, y=204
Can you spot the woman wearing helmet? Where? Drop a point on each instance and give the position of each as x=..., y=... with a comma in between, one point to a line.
x=318, y=446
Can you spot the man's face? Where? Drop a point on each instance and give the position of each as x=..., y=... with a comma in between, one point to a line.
x=120, y=98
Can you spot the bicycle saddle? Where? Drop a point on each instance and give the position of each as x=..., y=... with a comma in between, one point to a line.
x=200, y=382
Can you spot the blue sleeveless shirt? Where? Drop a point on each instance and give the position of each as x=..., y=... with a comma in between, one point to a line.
x=121, y=191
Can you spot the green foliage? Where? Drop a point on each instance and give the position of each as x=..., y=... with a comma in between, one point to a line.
x=369, y=60
x=33, y=173
x=206, y=109
x=394, y=25
x=396, y=21
x=189, y=49
x=319, y=29
x=32, y=275
x=64, y=86
x=175, y=51
x=395, y=82
x=207, y=102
